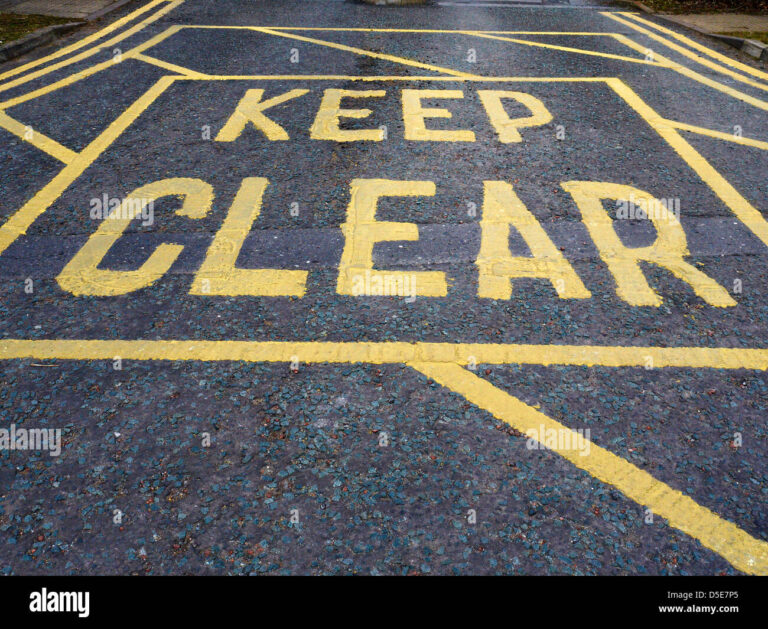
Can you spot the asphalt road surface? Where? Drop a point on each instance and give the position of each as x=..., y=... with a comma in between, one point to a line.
x=326, y=288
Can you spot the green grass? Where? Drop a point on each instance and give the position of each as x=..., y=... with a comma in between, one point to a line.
x=763, y=37
x=708, y=6
x=14, y=26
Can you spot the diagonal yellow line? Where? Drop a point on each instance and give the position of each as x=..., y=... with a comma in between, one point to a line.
x=89, y=53
x=701, y=48
x=740, y=549
x=83, y=42
x=580, y=51
x=18, y=223
x=37, y=139
x=701, y=60
x=362, y=51
x=186, y=72
x=728, y=137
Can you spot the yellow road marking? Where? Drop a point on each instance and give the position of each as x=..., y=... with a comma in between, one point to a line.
x=743, y=551
x=728, y=137
x=20, y=221
x=170, y=66
x=580, y=51
x=363, y=52
x=743, y=209
x=701, y=48
x=83, y=42
x=389, y=353
x=692, y=74
x=83, y=74
x=37, y=139
x=375, y=77
x=420, y=30
x=89, y=53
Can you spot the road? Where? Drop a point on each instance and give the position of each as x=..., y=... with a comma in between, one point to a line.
x=327, y=288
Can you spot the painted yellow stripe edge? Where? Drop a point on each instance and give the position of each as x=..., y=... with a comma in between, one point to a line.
x=387, y=353
x=736, y=546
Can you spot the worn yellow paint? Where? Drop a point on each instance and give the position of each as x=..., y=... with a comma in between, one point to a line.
x=728, y=137
x=249, y=110
x=86, y=41
x=701, y=48
x=743, y=551
x=81, y=276
x=667, y=251
x=506, y=127
x=502, y=209
x=362, y=231
x=580, y=51
x=218, y=274
x=744, y=211
x=91, y=52
x=326, y=124
x=361, y=51
x=414, y=115
x=18, y=223
x=36, y=139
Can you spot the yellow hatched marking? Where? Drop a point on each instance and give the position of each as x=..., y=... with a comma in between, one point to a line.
x=37, y=139
x=740, y=549
x=701, y=48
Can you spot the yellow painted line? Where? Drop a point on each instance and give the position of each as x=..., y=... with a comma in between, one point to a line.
x=579, y=51
x=37, y=139
x=389, y=353
x=20, y=221
x=720, y=135
x=374, y=77
x=89, y=53
x=170, y=66
x=363, y=52
x=743, y=209
x=701, y=60
x=90, y=71
x=83, y=42
x=416, y=30
x=735, y=545
x=701, y=48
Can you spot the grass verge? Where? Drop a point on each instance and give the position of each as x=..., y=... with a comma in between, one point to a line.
x=13, y=26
